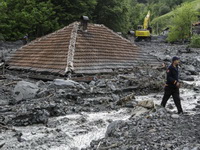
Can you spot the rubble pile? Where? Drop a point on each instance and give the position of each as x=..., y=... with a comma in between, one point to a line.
x=55, y=110
x=159, y=128
x=31, y=102
x=190, y=61
x=152, y=131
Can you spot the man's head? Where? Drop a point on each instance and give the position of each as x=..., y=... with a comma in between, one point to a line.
x=175, y=60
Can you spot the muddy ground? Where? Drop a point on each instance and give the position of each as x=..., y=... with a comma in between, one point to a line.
x=103, y=113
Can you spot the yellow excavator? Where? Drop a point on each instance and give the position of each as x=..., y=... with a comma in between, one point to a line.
x=144, y=32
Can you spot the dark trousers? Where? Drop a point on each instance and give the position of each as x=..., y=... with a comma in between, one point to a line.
x=174, y=92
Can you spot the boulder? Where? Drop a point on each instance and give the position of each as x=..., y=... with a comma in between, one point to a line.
x=41, y=84
x=25, y=90
x=67, y=83
x=191, y=69
x=137, y=111
x=165, y=58
x=2, y=144
x=114, y=126
x=115, y=97
x=101, y=83
x=149, y=104
x=175, y=116
x=111, y=86
x=126, y=99
x=42, y=93
x=187, y=78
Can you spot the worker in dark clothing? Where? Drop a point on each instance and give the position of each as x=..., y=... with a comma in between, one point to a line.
x=25, y=39
x=172, y=85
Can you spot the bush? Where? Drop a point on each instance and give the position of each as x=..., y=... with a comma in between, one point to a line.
x=195, y=41
x=180, y=29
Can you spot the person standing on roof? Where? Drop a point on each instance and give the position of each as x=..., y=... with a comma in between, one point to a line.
x=172, y=85
x=25, y=39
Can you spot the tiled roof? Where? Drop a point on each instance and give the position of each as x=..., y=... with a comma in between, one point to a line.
x=98, y=50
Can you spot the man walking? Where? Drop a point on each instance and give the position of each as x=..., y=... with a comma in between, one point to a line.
x=172, y=85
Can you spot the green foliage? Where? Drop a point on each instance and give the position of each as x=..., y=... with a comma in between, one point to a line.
x=137, y=12
x=195, y=41
x=69, y=11
x=164, y=9
x=27, y=16
x=165, y=21
x=113, y=14
x=181, y=23
x=40, y=17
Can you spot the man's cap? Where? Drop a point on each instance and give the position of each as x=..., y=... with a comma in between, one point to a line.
x=175, y=58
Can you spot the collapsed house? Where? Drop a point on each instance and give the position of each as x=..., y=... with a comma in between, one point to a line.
x=81, y=48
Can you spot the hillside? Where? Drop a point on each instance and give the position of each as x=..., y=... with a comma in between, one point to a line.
x=165, y=20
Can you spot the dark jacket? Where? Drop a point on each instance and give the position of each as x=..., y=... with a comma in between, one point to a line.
x=172, y=76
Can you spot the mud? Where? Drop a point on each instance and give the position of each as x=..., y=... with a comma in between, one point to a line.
x=68, y=115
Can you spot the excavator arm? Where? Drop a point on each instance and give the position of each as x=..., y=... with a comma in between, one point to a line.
x=146, y=20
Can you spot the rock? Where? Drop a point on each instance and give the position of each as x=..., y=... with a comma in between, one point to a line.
x=126, y=99
x=191, y=69
x=168, y=146
x=92, y=83
x=41, y=84
x=186, y=148
x=61, y=93
x=149, y=104
x=111, y=86
x=25, y=90
x=114, y=126
x=137, y=111
x=170, y=106
x=74, y=148
x=198, y=106
x=41, y=116
x=130, y=104
x=101, y=83
x=67, y=83
x=165, y=58
x=188, y=78
x=195, y=148
x=44, y=92
x=161, y=111
x=196, y=88
x=175, y=116
x=115, y=97
x=2, y=144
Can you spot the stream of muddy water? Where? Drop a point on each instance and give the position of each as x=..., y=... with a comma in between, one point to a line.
x=74, y=131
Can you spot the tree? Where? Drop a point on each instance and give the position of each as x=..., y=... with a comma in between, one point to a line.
x=69, y=11
x=112, y=13
x=27, y=16
x=181, y=23
x=137, y=13
x=164, y=9
x=4, y=26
